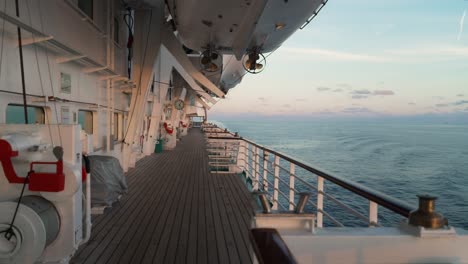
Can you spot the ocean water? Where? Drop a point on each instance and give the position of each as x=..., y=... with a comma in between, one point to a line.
x=401, y=159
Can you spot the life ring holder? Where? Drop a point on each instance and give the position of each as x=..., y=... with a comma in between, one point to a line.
x=169, y=129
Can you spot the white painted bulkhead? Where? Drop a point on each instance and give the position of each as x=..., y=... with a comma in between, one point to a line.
x=97, y=67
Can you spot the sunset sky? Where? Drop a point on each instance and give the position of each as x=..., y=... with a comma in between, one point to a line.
x=365, y=57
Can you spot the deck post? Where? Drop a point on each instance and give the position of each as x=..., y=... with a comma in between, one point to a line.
x=373, y=213
x=247, y=158
x=265, y=172
x=276, y=183
x=257, y=169
x=241, y=156
x=320, y=184
x=292, y=170
x=252, y=165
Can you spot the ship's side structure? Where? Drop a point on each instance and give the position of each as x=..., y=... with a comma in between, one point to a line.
x=113, y=78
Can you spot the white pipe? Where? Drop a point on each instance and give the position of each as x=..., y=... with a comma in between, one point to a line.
x=88, y=224
x=183, y=94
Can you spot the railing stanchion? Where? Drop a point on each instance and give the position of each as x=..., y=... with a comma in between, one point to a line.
x=276, y=183
x=373, y=213
x=219, y=158
x=252, y=166
x=320, y=189
x=292, y=171
x=265, y=172
x=241, y=159
x=257, y=168
x=247, y=158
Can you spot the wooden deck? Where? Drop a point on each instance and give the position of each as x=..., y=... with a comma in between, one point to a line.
x=176, y=211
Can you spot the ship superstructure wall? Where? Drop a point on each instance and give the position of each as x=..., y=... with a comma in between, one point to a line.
x=76, y=66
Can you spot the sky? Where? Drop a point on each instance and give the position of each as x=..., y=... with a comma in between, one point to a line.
x=365, y=57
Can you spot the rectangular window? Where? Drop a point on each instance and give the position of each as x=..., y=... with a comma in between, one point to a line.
x=15, y=114
x=65, y=83
x=85, y=119
x=87, y=6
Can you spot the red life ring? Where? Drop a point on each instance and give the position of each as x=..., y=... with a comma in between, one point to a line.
x=168, y=130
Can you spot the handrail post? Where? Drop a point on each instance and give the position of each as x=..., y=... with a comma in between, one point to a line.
x=256, y=167
x=373, y=213
x=241, y=159
x=252, y=164
x=292, y=170
x=320, y=183
x=247, y=158
x=265, y=172
x=276, y=183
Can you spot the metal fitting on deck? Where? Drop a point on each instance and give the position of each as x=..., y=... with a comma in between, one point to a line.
x=425, y=215
x=262, y=196
x=303, y=198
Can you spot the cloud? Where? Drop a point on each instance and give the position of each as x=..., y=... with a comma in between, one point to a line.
x=364, y=91
x=462, y=102
x=460, y=95
x=339, y=90
x=462, y=22
x=336, y=55
x=428, y=52
x=438, y=97
x=414, y=54
x=262, y=99
x=322, y=88
x=359, y=96
x=301, y=100
x=441, y=105
x=344, y=85
x=353, y=110
x=286, y=106
x=383, y=92
x=411, y=103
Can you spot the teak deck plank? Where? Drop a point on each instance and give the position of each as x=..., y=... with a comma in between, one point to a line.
x=176, y=211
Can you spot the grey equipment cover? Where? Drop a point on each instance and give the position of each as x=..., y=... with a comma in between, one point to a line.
x=108, y=180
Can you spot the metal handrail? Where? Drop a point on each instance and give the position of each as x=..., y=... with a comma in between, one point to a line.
x=380, y=198
x=332, y=198
x=273, y=200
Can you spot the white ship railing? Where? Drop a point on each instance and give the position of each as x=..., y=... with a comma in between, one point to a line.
x=283, y=178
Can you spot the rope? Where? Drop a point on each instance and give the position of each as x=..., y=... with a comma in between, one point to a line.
x=40, y=77
x=23, y=82
x=50, y=76
x=9, y=231
x=3, y=38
